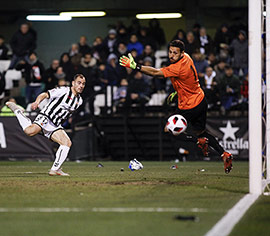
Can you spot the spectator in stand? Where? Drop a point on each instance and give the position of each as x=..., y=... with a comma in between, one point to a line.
x=181, y=35
x=61, y=75
x=74, y=50
x=135, y=44
x=88, y=68
x=220, y=70
x=122, y=34
x=75, y=59
x=49, y=76
x=135, y=27
x=121, y=49
x=200, y=63
x=32, y=30
x=244, y=89
x=88, y=65
x=3, y=49
x=145, y=39
x=156, y=32
x=206, y=42
x=222, y=38
x=113, y=71
x=237, y=25
x=119, y=96
x=209, y=86
x=65, y=63
x=62, y=82
x=212, y=59
x=147, y=52
x=22, y=43
x=99, y=50
x=33, y=71
x=138, y=92
x=196, y=30
x=111, y=42
x=83, y=46
x=75, y=62
x=147, y=61
x=101, y=76
x=134, y=53
x=229, y=90
x=192, y=44
x=239, y=48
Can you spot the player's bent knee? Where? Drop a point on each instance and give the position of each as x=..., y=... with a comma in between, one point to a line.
x=29, y=132
x=69, y=143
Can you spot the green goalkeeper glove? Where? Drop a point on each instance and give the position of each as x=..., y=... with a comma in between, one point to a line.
x=171, y=97
x=129, y=62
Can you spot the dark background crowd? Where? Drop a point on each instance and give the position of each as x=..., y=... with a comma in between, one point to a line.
x=221, y=62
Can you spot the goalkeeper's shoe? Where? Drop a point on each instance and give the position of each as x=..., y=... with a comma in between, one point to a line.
x=13, y=106
x=227, y=159
x=58, y=172
x=203, y=144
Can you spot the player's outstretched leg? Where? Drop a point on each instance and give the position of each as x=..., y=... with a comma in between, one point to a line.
x=227, y=159
x=211, y=141
x=203, y=144
x=23, y=120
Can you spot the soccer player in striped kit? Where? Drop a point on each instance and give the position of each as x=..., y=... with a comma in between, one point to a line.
x=63, y=101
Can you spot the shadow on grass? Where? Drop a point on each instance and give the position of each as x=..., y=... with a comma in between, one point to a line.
x=231, y=175
x=26, y=175
x=229, y=189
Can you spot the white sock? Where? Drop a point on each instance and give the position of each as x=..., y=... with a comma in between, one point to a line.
x=23, y=120
x=61, y=156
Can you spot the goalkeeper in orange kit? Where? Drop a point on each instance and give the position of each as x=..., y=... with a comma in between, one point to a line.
x=191, y=99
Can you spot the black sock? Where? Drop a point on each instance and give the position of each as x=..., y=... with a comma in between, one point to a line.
x=213, y=142
x=187, y=138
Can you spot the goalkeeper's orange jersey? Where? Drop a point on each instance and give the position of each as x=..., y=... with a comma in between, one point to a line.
x=185, y=81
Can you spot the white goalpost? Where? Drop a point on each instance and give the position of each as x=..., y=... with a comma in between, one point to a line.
x=267, y=91
x=266, y=15
x=255, y=94
x=256, y=182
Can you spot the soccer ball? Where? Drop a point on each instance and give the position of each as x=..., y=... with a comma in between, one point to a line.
x=176, y=124
x=135, y=165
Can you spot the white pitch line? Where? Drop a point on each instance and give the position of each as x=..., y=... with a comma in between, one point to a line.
x=149, y=209
x=227, y=222
x=46, y=210
x=107, y=210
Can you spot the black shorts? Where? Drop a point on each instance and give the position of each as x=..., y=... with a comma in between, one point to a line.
x=196, y=116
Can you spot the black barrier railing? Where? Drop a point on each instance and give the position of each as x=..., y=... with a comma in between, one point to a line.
x=122, y=138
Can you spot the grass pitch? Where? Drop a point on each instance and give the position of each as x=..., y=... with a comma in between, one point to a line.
x=106, y=201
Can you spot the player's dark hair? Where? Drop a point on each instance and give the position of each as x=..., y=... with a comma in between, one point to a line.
x=178, y=43
x=78, y=76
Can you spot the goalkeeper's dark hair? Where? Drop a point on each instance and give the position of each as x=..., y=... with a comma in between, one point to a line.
x=178, y=43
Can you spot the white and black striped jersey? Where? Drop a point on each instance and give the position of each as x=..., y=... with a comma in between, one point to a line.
x=62, y=103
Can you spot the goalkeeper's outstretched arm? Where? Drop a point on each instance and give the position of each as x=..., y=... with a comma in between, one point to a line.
x=130, y=63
